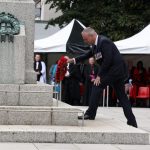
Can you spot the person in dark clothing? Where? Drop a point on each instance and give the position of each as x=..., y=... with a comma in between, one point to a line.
x=91, y=71
x=71, y=85
x=112, y=71
x=82, y=67
x=139, y=75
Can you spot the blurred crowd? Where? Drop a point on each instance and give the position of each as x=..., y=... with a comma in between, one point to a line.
x=78, y=80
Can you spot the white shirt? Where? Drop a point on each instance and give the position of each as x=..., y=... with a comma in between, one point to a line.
x=43, y=71
x=96, y=41
x=67, y=73
x=37, y=65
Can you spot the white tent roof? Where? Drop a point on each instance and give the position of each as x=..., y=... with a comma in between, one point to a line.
x=56, y=42
x=137, y=44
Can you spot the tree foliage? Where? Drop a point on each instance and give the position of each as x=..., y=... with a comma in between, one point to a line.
x=117, y=19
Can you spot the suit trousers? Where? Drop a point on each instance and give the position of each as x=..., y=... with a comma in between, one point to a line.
x=118, y=85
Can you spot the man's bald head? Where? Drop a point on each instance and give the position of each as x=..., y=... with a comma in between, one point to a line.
x=89, y=35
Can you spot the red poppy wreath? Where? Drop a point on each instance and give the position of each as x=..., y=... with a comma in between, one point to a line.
x=61, y=69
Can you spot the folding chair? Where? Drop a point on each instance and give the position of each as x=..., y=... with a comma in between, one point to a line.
x=143, y=93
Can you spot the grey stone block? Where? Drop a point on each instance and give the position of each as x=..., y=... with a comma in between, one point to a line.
x=26, y=95
x=3, y=117
x=102, y=138
x=12, y=99
x=35, y=99
x=25, y=117
x=24, y=11
x=36, y=87
x=12, y=60
x=27, y=136
x=64, y=116
x=68, y=134
x=36, y=95
x=9, y=94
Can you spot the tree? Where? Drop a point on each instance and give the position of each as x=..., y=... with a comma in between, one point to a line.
x=117, y=19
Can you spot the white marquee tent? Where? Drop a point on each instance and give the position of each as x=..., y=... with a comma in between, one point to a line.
x=137, y=44
x=69, y=36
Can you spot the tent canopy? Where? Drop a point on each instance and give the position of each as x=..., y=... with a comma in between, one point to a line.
x=137, y=44
x=68, y=39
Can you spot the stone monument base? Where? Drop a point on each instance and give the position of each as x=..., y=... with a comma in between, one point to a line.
x=32, y=104
x=26, y=95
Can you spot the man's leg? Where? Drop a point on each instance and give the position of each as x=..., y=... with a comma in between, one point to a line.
x=96, y=94
x=125, y=103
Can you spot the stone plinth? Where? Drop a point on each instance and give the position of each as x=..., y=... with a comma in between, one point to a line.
x=65, y=116
x=12, y=60
x=67, y=134
x=24, y=11
x=31, y=115
x=26, y=95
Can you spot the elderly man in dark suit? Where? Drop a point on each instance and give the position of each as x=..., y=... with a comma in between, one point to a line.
x=112, y=71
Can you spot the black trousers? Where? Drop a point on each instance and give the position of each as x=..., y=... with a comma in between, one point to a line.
x=118, y=85
x=71, y=91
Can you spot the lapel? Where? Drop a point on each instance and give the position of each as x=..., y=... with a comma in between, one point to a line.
x=99, y=43
x=98, y=51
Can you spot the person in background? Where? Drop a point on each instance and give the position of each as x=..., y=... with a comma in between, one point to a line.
x=40, y=68
x=139, y=75
x=139, y=80
x=52, y=73
x=148, y=75
x=82, y=67
x=71, y=85
x=91, y=71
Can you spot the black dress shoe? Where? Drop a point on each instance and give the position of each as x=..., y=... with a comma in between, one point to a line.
x=86, y=117
x=133, y=125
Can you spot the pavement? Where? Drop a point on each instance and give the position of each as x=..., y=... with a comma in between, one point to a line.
x=143, y=119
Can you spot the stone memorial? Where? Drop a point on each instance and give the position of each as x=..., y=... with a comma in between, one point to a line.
x=28, y=112
x=17, y=78
x=22, y=99
x=17, y=57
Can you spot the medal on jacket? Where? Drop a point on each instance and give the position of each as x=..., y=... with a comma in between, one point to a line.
x=98, y=55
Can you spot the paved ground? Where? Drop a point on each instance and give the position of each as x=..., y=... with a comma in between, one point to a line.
x=142, y=115
x=143, y=119
x=22, y=146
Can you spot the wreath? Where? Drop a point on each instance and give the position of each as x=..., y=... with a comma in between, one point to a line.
x=61, y=69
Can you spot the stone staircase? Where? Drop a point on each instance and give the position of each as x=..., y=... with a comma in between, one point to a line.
x=30, y=114
x=33, y=105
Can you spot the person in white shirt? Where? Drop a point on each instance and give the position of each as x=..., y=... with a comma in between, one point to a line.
x=40, y=69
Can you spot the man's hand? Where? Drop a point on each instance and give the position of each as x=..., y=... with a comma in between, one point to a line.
x=97, y=81
x=70, y=60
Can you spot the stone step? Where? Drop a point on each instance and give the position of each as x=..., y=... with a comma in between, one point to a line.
x=26, y=95
x=27, y=115
x=70, y=134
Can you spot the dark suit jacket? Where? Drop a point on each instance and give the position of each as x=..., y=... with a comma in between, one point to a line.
x=110, y=59
x=74, y=72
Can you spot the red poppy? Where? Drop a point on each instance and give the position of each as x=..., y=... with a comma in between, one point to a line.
x=61, y=69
